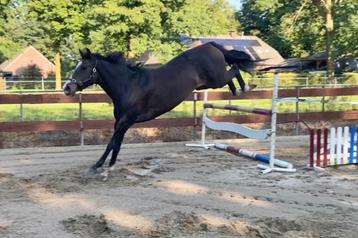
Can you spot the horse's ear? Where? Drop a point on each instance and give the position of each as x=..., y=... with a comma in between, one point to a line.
x=85, y=53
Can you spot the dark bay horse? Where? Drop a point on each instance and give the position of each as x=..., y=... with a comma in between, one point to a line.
x=141, y=94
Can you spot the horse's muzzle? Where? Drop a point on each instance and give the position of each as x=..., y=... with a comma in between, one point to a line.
x=70, y=88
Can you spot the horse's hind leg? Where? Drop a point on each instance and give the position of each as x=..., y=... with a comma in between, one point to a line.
x=232, y=87
x=228, y=78
x=243, y=86
x=117, y=146
x=238, y=76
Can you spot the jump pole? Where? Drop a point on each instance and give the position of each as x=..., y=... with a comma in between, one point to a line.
x=251, y=133
x=253, y=155
x=239, y=108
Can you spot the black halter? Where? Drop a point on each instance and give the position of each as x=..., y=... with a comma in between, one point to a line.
x=94, y=78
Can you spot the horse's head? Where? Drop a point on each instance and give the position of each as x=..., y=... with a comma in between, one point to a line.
x=84, y=75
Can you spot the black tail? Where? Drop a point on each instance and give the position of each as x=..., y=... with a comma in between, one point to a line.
x=240, y=58
x=286, y=68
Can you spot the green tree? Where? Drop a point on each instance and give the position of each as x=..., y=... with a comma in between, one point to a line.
x=62, y=21
x=202, y=17
x=137, y=26
x=8, y=47
x=31, y=71
x=127, y=26
x=299, y=28
x=194, y=18
x=130, y=26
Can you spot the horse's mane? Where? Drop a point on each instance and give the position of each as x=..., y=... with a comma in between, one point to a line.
x=119, y=59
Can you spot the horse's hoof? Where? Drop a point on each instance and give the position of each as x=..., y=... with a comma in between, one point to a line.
x=94, y=170
x=238, y=92
x=105, y=175
x=250, y=87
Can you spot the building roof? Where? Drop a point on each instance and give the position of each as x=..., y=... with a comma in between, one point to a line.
x=252, y=45
x=28, y=56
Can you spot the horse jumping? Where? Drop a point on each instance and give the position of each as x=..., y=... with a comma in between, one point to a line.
x=141, y=94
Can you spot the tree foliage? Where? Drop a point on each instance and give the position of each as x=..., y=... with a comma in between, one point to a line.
x=8, y=47
x=130, y=26
x=297, y=28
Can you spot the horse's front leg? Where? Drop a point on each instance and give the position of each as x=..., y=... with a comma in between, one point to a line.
x=104, y=156
x=121, y=126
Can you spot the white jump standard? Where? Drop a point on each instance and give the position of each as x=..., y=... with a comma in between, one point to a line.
x=247, y=132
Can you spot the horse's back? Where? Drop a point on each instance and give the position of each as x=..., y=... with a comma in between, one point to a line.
x=211, y=63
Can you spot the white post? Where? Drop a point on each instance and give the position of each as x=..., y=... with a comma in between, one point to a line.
x=203, y=127
x=271, y=167
x=273, y=120
x=42, y=84
x=5, y=84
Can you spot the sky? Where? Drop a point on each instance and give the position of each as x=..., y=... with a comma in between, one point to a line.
x=235, y=3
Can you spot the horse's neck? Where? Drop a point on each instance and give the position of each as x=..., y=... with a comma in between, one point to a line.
x=113, y=79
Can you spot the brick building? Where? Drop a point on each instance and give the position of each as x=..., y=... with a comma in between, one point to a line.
x=28, y=57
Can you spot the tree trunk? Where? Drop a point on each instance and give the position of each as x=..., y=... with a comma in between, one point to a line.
x=329, y=40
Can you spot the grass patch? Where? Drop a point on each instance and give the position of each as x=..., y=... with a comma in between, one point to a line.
x=92, y=111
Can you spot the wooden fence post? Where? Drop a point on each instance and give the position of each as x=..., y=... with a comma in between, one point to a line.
x=297, y=110
x=58, y=71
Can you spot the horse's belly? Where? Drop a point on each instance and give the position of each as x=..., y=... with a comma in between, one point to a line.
x=160, y=104
x=170, y=101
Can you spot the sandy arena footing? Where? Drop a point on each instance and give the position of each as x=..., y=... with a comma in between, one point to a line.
x=169, y=190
